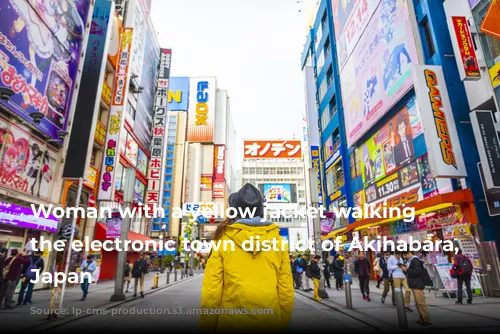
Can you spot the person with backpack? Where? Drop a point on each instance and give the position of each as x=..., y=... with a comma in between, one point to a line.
x=139, y=269
x=11, y=273
x=297, y=271
x=418, y=279
x=127, y=275
x=363, y=269
x=36, y=262
x=338, y=271
x=314, y=272
x=463, y=268
x=88, y=266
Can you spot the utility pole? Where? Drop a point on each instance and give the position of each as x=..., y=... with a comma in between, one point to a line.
x=194, y=235
x=128, y=197
x=313, y=176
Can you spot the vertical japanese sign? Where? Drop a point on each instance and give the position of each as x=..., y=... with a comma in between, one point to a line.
x=156, y=171
x=119, y=98
x=440, y=132
x=201, y=110
x=219, y=184
x=469, y=69
x=315, y=165
x=91, y=88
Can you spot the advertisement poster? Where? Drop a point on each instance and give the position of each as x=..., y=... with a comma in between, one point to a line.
x=27, y=165
x=467, y=53
x=429, y=184
x=452, y=215
x=468, y=246
x=329, y=223
x=391, y=146
x=15, y=215
x=131, y=150
x=443, y=270
x=350, y=20
x=379, y=70
x=142, y=161
x=201, y=113
x=139, y=189
x=277, y=193
x=39, y=55
x=114, y=225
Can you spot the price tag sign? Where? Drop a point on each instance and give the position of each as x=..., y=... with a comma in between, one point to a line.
x=401, y=179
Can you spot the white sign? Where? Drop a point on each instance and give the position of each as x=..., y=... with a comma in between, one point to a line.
x=445, y=153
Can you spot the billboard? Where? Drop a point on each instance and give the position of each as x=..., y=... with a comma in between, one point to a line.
x=219, y=180
x=39, y=56
x=178, y=94
x=379, y=70
x=145, y=100
x=201, y=110
x=19, y=216
x=441, y=138
x=277, y=193
x=351, y=17
x=272, y=149
x=156, y=171
x=392, y=145
x=90, y=89
x=488, y=144
x=467, y=63
x=115, y=123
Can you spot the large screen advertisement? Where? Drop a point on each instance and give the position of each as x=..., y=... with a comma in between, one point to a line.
x=350, y=19
x=40, y=49
x=392, y=145
x=379, y=71
x=278, y=193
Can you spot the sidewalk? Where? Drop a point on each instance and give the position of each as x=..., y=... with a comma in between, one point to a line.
x=483, y=314
x=23, y=318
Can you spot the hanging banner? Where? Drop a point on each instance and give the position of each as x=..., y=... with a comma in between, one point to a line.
x=114, y=225
x=219, y=171
x=441, y=138
x=156, y=170
x=469, y=69
x=115, y=124
x=316, y=165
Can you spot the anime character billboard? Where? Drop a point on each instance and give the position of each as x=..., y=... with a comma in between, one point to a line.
x=379, y=70
x=40, y=46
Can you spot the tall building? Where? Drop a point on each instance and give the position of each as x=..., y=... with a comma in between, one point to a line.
x=378, y=138
x=280, y=179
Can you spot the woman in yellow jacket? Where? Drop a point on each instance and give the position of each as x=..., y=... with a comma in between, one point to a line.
x=245, y=288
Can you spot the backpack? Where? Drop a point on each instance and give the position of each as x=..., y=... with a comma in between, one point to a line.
x=465, y=266
x=426, y=278
x=308, y=271
x=127, y=270
x=137, y=269
x=29, y=272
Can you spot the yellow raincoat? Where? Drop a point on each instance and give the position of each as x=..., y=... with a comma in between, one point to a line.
x=249, y=282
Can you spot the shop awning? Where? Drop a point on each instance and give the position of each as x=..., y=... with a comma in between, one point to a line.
x=334, y=233
x=462, y=197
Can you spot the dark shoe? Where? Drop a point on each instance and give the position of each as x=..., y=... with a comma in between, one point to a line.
x=458, y=302
x=368, y=299
x=83, y=298
x=408, y=309
x=469, y=302
x=142, y=294
x=422, y=323
x=382, y=300
x=364, y=297
x=135, y=295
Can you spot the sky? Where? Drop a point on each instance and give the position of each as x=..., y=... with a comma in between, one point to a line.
x=253, y=47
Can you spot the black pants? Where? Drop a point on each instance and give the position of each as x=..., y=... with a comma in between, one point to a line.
x=461, y=281
x=338, y=282
x=327, y=281
x=298, y=280
x=364, y=285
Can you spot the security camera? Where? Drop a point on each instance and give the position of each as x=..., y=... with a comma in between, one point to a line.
x=37, y=117
x=5, y=94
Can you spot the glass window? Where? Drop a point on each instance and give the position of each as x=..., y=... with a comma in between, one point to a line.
x=168, y=178
x=168, y=170
x=325, y=119
x=120, y=171
x=331, y=182
x=428, y=39
x=170, y=155
x=339, y=174
x=170, y=147
x=328, y=149
x=322, y=89
x=170, y=162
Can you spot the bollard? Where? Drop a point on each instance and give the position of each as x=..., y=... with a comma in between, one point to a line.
x=155, y=281
x=182, y=274
x=175, y=275
x=348, y=294
x=168, y=277
x=400, y=308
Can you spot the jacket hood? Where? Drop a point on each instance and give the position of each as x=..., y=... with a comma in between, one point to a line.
x=247, y=236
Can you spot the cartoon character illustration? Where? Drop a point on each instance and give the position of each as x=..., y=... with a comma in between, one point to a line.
x=387, y=17
x=403, y=150
x=389, y=156
x=39, y=169
x=392, y=60
x=14, y=158
x=369, y=165
x=341, y=11
x=379, y=168
x=58, y=92
x=371, y=83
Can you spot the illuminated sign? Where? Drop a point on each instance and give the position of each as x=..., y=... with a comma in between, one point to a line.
x=272, y=149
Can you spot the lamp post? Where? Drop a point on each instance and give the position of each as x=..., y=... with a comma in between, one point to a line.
x=163, y=235
x=313, y=176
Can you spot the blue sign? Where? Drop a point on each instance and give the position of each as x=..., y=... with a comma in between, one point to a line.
x=332, y=159
x=201, y=219
x=277, y=193
x=178, y=94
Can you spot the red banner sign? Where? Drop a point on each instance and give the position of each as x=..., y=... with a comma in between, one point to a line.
x=467, y=53
x=218, y=174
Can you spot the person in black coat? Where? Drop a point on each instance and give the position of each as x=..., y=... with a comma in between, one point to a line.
x=386, y=278
x=363, y=268
x=338, y=271
x=326, y=272
x=414, y=271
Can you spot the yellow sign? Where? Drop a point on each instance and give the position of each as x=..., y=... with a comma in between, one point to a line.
x=495, y=75
x=176, y=96
x=106, y=93
x=100, y=133
x=91, y=177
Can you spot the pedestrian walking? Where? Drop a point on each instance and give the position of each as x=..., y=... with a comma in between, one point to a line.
x=377, y=269
x=315, y=275
x=326, y=273
x=297, y=271
x=463, y=268
x=88, y=266
x=418, y=278
x=387, y=278
x=11, y=274
x=246, y=277
x=139, y=270
x=127, y=275
x=363, y=269
x=26, y=292
x=338, y=272
x=3, y=254
x=398, y=276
